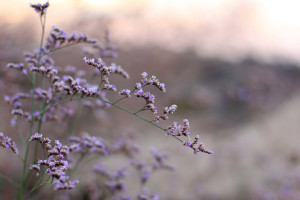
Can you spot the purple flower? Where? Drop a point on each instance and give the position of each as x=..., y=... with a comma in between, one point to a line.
x=40, y=8
x=7, y=143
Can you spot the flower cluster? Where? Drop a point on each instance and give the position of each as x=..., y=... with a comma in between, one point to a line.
x=52, y=98
x=147, y=196
x=166, y=112
x=88, y=143
x=59, y=39
x=177, y=130
x=19, y=66
x=150, y=81
x=113, y=180
x=56, y=163
x=40, y=8
x=196, y=146
x=7, y=143
x=147, y=96
x=38, y=58
x=16, y=104
x=145, y=170
x=124, y=144
x=126, y=93
x=41, y=95
x=104, y=71
x=107, y=50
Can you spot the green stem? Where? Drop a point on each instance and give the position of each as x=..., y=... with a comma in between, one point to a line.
x=62, y=102
x=139, y=116
x=123, y=97
x=39, y=128
x=20, y=195
x=142, y=109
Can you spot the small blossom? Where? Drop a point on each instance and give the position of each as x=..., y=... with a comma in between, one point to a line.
x=147, y=196
x=37, y=168
x=19, y=66
x=159, y=160
x=138, y=86
x=40, y=8
x=56, y=163
x=37, y=137
x=88, y=143
x=110, y=87
x=7, y=143
x=115, y=186
x=199, y=148
x=144, y=75
x=125, y=92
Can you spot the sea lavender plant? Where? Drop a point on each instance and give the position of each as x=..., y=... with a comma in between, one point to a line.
x=53, y=88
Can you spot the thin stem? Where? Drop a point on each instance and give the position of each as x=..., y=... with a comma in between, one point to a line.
x=20, y=195
x=67, y=45
x=118, y=100
x=39, y=128
x=77, y=164
x=43, y=168
x=9, y=180
x=142, y=109
x=38, y=186
x=58, y=103
x=101, y=80
x=139, y=116
x=123, y=97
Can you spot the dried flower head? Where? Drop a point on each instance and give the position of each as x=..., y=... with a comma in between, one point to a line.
x=40, y=8
x=7, y=143
x=56, y=163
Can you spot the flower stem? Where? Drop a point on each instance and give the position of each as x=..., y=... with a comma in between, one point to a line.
x=9, y=180
x=23, y=180
x=139, y=116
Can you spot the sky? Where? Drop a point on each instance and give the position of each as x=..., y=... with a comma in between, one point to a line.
x=267, y=29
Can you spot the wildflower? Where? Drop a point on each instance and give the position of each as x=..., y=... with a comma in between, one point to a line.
x=19, y=66
x=147, y=196
x=7, y=143
x=199, y=148
x=114, y=180
x=56, y=163
x=159, y=160
x=59, y=38
x=167, y=110
x=125, y=92
x=89, y=143
x=40, y=8
x=38, y=137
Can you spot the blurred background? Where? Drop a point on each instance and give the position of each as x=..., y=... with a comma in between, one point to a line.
x=232, y=67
